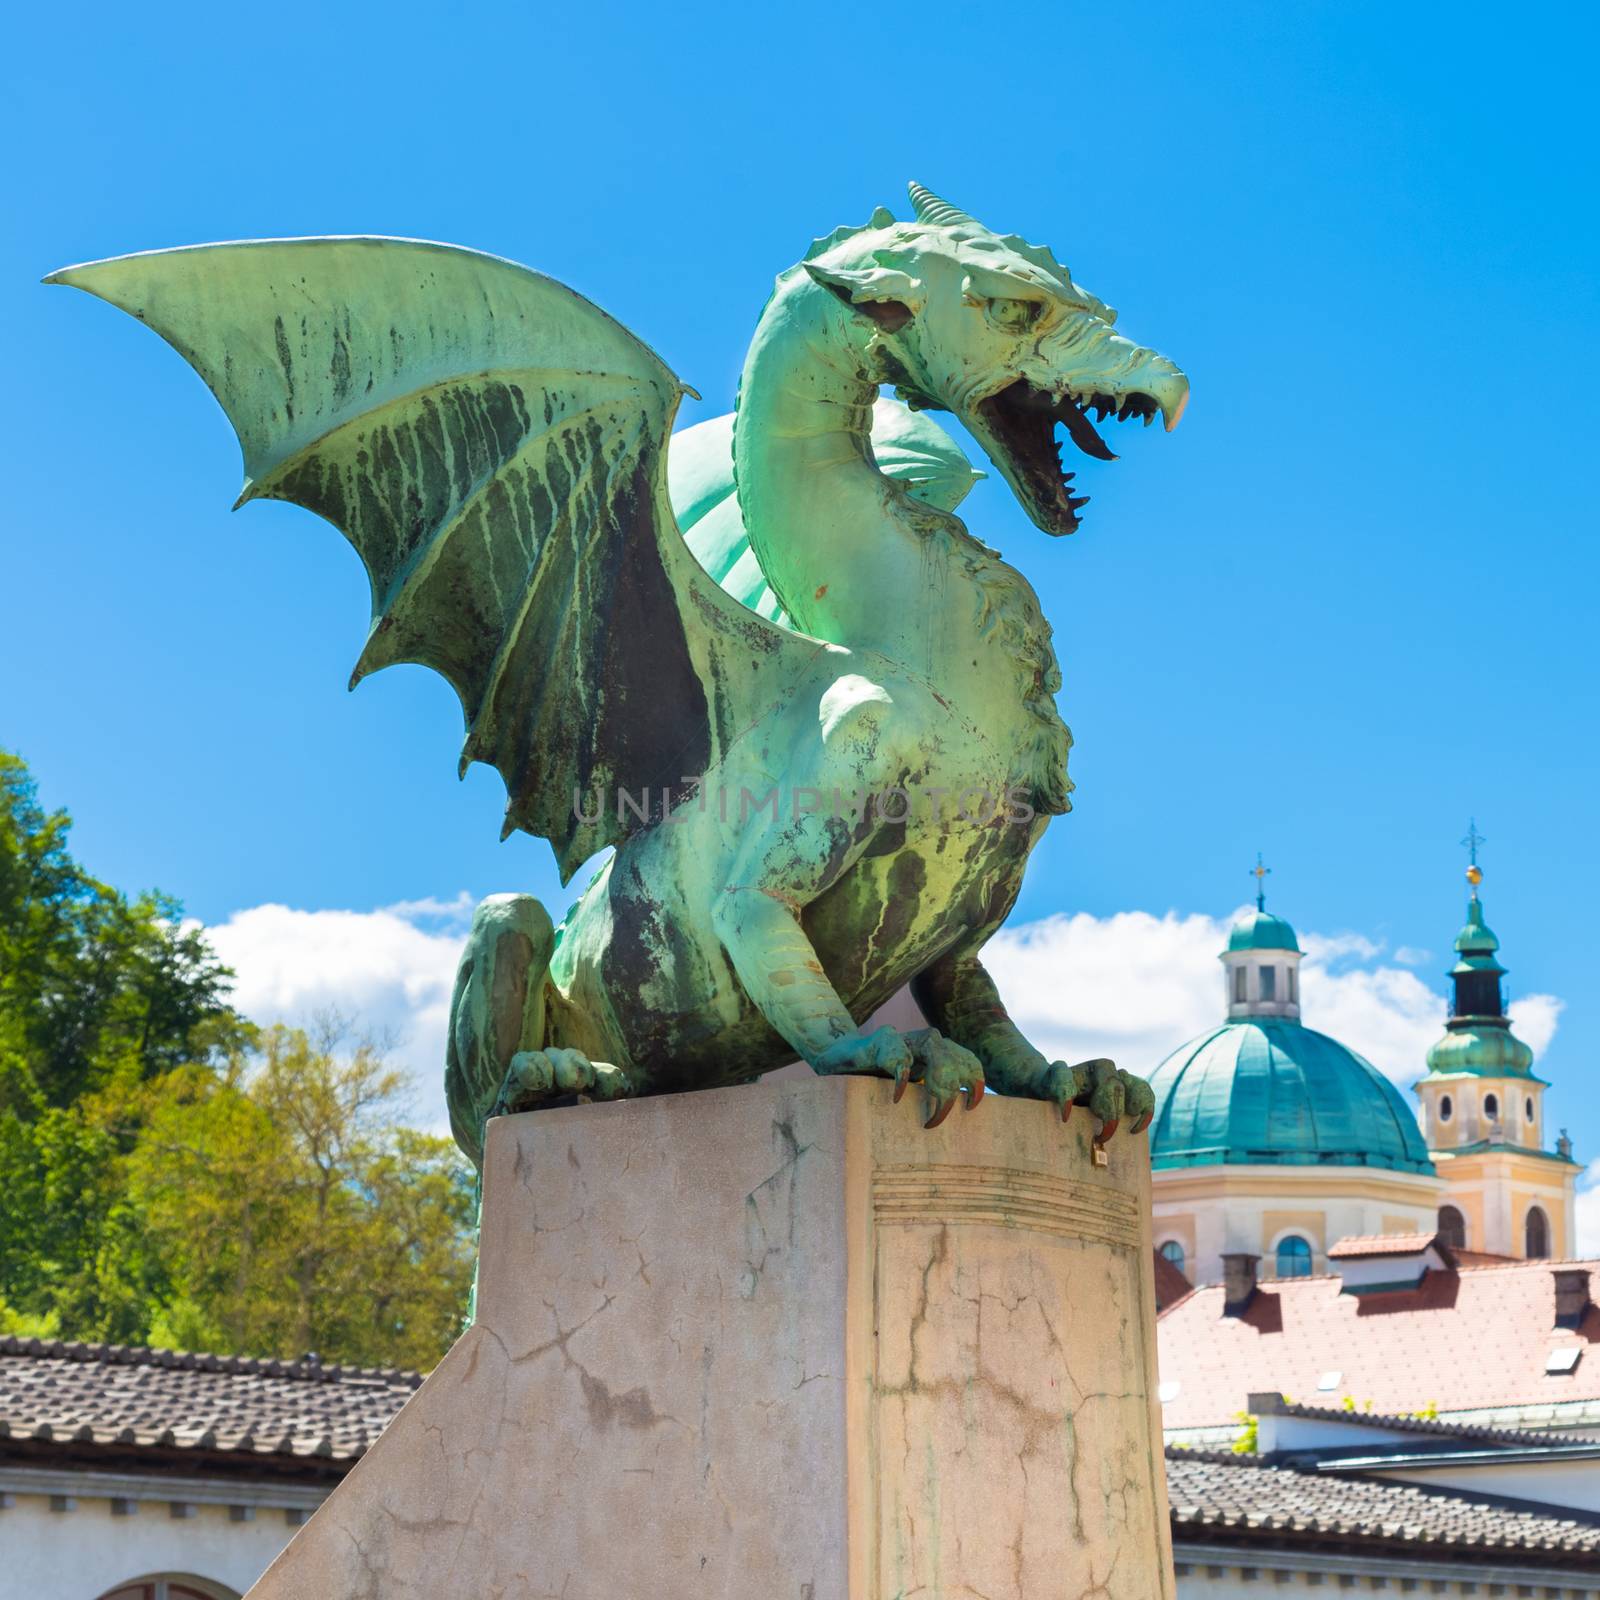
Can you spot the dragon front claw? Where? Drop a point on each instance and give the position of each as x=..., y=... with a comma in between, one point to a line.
x=944, y=1068
x=1110, y=1093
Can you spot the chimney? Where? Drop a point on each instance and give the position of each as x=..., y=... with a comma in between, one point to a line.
x=1239, y=1282
x=1572, y=1295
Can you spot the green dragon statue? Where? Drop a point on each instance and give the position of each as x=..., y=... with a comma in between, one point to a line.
x=823, y=750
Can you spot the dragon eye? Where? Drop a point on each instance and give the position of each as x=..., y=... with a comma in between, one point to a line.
x=1015, y=316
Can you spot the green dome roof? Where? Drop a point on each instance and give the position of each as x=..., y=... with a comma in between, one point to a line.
x=1264, y=1090
x=1262, y=931
x=1484, y=1051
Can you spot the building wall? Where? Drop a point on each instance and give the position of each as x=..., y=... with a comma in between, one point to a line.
x=1217, y=1573
x=1494, y=1189
x=1214, y=1210
x=63, y=1538
x=1558, y=1483
x=1469, y=1119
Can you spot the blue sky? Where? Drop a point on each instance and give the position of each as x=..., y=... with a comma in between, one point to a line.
x=1345, y=606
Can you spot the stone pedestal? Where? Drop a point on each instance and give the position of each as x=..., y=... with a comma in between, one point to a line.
x=779, y=1343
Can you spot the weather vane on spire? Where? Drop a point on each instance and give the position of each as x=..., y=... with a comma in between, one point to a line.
x=1472, y=841
x=1260, y=873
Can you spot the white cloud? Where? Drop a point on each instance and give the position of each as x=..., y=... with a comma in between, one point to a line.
x=1329, y=949
x=1386, y=1013
x=1534, y=1017
x=1408, y=955
x=391, y=970
x=1132, y=985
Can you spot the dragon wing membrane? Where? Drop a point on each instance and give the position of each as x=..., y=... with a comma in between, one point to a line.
x=494, y=447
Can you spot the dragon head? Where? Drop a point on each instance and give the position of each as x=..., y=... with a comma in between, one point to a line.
x=994, y=330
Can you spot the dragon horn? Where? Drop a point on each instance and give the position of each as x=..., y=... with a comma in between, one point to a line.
x=930, y=208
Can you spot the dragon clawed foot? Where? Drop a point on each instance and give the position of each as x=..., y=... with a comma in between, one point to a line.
x=943, y=1068
x=536, y=1077
x=1110, y=1093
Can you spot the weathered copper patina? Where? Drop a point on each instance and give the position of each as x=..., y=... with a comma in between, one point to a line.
x=823, y=751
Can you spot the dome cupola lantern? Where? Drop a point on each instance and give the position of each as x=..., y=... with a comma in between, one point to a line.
x=1262, y=961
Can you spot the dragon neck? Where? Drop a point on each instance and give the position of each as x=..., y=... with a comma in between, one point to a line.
x=831, y=533
x=854, y=560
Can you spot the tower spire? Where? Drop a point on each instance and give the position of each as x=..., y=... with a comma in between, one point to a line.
x=1471, y=843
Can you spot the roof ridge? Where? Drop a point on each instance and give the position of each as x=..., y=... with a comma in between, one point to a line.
x=1562, y=1528
x=1216, y=1458
x=1400, y=1422
x=313, y=1370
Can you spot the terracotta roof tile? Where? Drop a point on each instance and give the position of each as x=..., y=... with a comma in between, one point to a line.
x=1360, y=1246
x=1465, y=1340
x=1171, y=1285
x=1249, y=1500
x=60, y=1391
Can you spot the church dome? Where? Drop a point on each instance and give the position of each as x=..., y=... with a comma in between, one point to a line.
x=1270, y=1091
x=1260, y=930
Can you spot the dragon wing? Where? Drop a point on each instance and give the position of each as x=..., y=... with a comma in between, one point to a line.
x=493, y=446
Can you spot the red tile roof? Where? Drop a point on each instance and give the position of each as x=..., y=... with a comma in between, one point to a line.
x=1464, y=1340
x=1361, y=1246
x=1479, y=1258
x=1171, y=1285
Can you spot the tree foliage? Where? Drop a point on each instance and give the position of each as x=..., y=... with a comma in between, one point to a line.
x=94, y=987
x=170, y=1174
x=292, y=1212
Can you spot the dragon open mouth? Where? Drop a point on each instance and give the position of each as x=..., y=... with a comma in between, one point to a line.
x=1018, y=427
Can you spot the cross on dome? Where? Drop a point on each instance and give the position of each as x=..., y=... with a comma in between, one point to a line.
x=1260, y=873
x=1471, y=843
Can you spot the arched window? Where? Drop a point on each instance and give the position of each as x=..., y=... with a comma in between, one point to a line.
x=1452, y=1228
x=1527, y=1106
x=1536, y=1235
x=1269, y=983
x=1173, y=1251
x=1294, y=1257
x=1491, y=1107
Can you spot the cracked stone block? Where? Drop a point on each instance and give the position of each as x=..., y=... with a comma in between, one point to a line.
x=778, y=1340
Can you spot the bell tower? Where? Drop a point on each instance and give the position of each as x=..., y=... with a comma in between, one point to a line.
x=1483, y=1110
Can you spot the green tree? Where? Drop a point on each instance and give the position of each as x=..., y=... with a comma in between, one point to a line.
x=290, y=1209
x=94, y=986
x=168, y=1174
